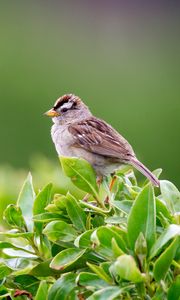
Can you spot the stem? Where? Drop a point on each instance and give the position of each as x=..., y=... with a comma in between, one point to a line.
x=101, y=204
x=174, y=263
x=150, y=289
x=31, y=241
x=25, y=227
x=95, y=208
x=141, y=290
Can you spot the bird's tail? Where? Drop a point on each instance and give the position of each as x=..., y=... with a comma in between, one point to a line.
x=140, y=167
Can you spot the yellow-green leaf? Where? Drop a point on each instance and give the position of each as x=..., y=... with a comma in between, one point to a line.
x=81, y=173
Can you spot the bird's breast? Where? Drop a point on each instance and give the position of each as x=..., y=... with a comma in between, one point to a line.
x=62, y=140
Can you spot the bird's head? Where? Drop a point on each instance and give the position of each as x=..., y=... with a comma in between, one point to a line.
x=68, y=108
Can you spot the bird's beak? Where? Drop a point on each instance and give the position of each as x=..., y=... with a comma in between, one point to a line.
x=52, y=113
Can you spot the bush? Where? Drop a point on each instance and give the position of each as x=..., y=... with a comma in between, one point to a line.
x=119, y=244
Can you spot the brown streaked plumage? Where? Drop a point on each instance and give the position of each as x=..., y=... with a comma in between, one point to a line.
x=96, y=136
x=76, y=132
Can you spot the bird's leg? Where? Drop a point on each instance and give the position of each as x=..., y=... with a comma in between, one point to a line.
x=99, y=180
x=86, y=197
x=113, y=180
x=111, y=185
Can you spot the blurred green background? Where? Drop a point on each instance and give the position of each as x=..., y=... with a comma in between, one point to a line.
x=121, y=58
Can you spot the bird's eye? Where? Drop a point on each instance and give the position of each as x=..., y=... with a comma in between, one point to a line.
x=64, y=109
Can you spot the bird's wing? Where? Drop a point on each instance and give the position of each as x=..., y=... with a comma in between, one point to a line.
x=98, y=137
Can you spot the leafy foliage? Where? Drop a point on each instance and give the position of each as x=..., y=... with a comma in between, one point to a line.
x=118, y=244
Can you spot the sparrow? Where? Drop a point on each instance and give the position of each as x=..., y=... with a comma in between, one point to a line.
x=77, y=133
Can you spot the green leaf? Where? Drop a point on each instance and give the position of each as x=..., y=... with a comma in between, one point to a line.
x=109, y=293
x=169, y=233
x=66, y=258
x=43, y=245
x=60, y=231
x=13, y=216
x=42, y=291
x=4, y=293
x=84, y=240
x=40, y=202
x=4, y=245
x=120, y=232
x=125, y=267
x=52, y=208
x=161, y=208
x=23, y=271
x=75, y=213
x=27, y=282
x=15, y=252
x=100, y=272
x=16, y=234
x=164, y=261
x=17, y=263
x=60, y=202
x=62, y=287
x=20, y=265
x=105, y=266
x=171, y=195
x=46, y=217
x=7, y=245
x=115, y=220
x=124, y=205
x=43, y=270
x=81, y=173
x=174, y=290
x=141, y=246
x=102, y=240
x=90, y=281
x=4, y=270
x=25, y=201
x=116, y=249
x=142, y=217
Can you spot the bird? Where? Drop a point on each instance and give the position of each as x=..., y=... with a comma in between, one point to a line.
x=76, y=132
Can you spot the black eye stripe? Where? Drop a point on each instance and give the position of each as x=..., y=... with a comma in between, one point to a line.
x=59, y=104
